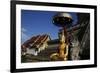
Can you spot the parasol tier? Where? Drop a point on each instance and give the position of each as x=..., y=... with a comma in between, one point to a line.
x=62, y=20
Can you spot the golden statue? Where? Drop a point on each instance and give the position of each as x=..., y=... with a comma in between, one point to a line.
x=62, y=53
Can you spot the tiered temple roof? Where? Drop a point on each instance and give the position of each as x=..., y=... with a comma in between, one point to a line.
x=35, y=41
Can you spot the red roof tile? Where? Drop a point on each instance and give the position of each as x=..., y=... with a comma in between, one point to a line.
x=35, y=40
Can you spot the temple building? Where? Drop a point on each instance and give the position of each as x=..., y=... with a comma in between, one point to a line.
x=35, y=45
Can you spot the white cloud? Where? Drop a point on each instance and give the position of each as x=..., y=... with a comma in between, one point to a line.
x=24, y=35
x=23, y=30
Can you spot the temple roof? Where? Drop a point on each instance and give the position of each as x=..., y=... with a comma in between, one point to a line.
x=35, y=41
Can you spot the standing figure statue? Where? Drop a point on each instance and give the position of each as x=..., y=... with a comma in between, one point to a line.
x=62, y=53
x=63, y=46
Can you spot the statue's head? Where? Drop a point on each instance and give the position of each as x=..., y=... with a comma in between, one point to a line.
x=61, y=36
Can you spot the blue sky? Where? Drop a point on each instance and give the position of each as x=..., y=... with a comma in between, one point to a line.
x=39, y=22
